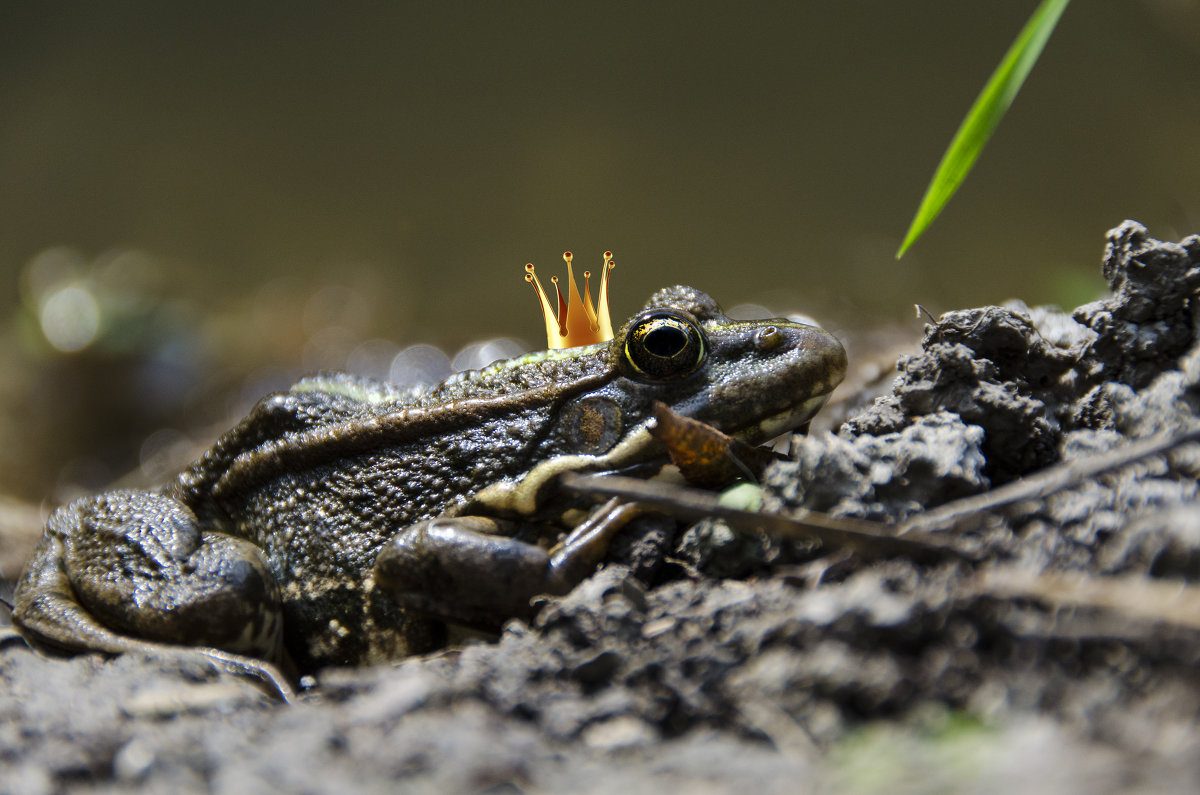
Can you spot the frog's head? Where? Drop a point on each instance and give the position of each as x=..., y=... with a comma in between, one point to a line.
x=753, y=380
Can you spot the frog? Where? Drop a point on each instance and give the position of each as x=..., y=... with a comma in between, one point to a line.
x=347, y=521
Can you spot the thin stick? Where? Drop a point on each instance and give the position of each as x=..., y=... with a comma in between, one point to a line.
x=1044, y=483
x=868, y=539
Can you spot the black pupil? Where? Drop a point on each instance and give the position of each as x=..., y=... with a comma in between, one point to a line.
x=665, y=341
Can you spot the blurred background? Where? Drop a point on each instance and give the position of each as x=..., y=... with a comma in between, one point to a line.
x=200, y=202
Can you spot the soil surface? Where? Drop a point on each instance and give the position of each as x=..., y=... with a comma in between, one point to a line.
x=1046, y=640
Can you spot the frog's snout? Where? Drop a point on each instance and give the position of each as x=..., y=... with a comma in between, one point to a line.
x=772, y=380
x=797, y=362
x=829, y=353
x=803, y=377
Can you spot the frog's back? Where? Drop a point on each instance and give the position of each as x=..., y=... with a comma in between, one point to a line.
x=339, y=461
x=320, y=401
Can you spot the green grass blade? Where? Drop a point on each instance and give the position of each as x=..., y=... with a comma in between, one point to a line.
x=984, y=115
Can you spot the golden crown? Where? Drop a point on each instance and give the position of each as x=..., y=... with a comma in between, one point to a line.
x=577, y=322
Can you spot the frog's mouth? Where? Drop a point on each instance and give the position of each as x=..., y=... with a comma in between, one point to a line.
x=785, y=421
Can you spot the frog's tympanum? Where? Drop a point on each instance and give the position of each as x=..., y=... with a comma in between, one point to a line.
x=345, y=520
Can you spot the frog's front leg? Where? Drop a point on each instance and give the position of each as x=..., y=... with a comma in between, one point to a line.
x=131, y=571
x=461, y=570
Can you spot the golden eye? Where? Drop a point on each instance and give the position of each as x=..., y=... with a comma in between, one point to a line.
x=663, y=344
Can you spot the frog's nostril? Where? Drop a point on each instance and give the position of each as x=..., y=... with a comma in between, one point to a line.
x=768, y=338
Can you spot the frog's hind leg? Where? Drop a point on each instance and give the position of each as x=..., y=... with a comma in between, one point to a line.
x=133, y=571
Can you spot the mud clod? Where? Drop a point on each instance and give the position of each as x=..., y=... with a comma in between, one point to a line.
x=1151, y=316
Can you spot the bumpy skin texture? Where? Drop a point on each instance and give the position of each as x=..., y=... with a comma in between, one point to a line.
x=281, y=523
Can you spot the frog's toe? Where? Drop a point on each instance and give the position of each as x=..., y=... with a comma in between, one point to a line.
x=139, y=565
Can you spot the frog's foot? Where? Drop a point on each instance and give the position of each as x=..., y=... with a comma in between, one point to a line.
x=132, y=571
x=460, y=570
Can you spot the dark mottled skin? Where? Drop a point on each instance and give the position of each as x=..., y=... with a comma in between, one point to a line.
x=316, y=480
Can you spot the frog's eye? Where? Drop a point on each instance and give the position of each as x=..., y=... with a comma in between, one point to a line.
x=662, y=344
